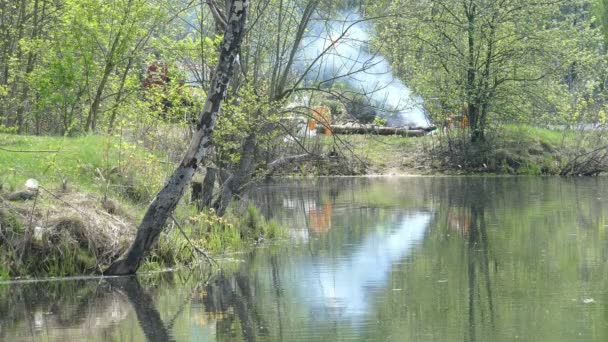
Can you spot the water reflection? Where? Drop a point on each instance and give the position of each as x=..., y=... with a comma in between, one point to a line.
x=344, y=289
x=319, y=217
x=34, y=311
x=148, y=316
x=459, y=259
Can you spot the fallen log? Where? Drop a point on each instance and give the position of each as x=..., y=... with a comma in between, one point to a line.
x=369, y=129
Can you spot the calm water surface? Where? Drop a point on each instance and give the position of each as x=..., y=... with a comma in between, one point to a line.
x=420, y=259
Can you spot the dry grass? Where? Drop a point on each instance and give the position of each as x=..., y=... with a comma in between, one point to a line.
x=61, y=234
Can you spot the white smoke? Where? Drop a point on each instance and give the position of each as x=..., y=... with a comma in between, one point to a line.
x=349, y=59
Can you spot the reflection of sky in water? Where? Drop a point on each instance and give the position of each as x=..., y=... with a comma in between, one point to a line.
x=345, y=288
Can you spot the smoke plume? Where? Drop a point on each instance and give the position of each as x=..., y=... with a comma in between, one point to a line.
x=349, y=59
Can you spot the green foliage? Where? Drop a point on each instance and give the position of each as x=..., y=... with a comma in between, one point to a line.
x=67, y=261
x=252, y=112
x=171, y=250
x=212, y=233
x=8, y=221
x=378, y=121
x=4, y=272
x=75, y=63
x=232, y=230
x=4, y=129
x=92, y=162
x=254, y=224
x=600, y=10
x=517, y=62
x=215, y=233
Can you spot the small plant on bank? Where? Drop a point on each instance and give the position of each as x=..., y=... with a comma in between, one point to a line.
x=378, y=121
x=212, y=233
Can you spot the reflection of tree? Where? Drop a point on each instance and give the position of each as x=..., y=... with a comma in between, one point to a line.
x=466, y=215
x=56, y=309
x=459, y=220
x=310, y=200
x=478, y=244
x=508, y=239
x=232, y=293
x=278, y=290
x=149, y=319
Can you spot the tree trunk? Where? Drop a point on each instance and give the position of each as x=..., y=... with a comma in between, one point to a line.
x=92, y=118
x=121, y=89
x=208, y=184
x=166, y=200
x=471, y=90
x=370, y=129
x=235, y=183
x=196, y=189
x=473, y=114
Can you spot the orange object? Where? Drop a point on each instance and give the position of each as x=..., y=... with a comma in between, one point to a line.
x=459, y=219
x=458, y=119
x=320, y=219
x=322, y=115
x=464, y=122
x=312, y=124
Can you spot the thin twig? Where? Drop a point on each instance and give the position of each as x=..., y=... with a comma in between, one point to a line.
x=29, y=151
x=210, y=260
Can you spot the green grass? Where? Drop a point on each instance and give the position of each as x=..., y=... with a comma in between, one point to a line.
x=521, y=150
x=381, y=154
x=75, y=160
x=4, y=272
x=92, y=163
x=378, y=149
x=527, y=136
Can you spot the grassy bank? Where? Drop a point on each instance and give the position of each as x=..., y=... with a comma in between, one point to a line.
x=93, y=192
x=512, y=149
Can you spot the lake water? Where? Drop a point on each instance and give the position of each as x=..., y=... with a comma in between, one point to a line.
x=381, y=259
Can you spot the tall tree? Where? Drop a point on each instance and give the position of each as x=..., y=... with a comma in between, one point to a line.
x=166, y=200
x=475, y=56
x=600, y=8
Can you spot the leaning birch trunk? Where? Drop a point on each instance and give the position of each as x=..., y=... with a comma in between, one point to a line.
x=166, y=200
